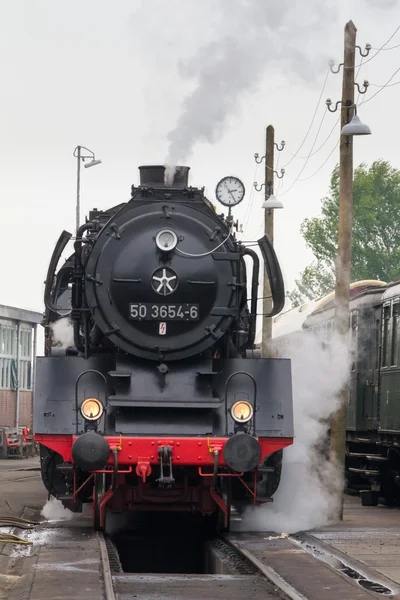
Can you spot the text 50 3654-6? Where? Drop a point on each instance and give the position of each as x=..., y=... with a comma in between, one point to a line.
x=148, y=311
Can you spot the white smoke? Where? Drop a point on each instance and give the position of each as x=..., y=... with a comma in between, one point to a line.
x=250, y=36
x=169, y=174
x=62, y=333
x=311, y=481
x=54, y=510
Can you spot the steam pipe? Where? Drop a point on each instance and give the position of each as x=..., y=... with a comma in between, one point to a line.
x=254, y=296
x=77, y=287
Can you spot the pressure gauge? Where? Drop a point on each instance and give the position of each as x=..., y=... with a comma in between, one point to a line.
x=166, y=240
x=230, y=191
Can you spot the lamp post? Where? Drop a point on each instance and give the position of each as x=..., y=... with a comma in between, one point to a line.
x=79, y=156
x=269, y=204
x=350, y=126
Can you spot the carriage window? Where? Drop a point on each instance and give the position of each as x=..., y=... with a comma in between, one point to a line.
x=395, y=319
x=386, y=336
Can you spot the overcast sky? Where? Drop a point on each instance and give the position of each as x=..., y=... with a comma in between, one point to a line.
x=122, y=78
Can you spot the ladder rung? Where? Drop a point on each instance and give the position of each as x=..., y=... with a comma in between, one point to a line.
x=364, y=471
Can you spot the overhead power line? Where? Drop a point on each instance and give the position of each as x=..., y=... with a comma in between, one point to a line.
x=312, y=121
x=381, y=89
x=381, y=48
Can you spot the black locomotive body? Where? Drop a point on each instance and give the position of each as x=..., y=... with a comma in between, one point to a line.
x=159, y=403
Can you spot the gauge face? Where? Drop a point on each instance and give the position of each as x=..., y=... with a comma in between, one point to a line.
x=166, y=240
x=230, y=191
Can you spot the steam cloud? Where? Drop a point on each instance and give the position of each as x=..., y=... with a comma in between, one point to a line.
x=250, y=35
x=308, y=493
x=54, y=510
x=62, y=333
x=240, y=42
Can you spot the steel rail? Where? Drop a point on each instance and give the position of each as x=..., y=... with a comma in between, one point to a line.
x=269, y=573
x=107, y=576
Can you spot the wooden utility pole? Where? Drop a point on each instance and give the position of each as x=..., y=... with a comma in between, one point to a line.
x=343, y=263
x=269, y=230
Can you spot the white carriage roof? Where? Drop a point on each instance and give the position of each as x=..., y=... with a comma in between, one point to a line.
x=392, y=291
x=292, y=320
x=289, y=321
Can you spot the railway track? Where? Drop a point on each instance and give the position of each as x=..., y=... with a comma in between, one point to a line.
x=67, y=560
x=230, y=572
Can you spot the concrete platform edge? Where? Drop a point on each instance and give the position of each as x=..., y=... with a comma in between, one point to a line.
x=353, y=563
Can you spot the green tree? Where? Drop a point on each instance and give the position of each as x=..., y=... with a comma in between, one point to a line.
x=376, y=232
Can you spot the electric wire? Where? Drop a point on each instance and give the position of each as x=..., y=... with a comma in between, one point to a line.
x=312, y=121
x=308, y=158
x=380, y=89
x=391, y=48
x=296, y=180
x=381, y=48
x=317, y=171
x=323, y=143
x=383, y=86
x=251, y=200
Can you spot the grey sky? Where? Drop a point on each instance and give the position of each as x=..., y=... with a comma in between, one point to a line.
x=108, y=75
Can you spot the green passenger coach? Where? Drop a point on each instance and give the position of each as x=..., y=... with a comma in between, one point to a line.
x=373, y=416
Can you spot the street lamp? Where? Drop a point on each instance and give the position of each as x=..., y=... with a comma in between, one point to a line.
x=356, y=127
x=79, y=156
x=272, y=202
x=350, y=126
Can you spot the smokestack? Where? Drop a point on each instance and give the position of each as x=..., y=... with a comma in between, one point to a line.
x=153, y=176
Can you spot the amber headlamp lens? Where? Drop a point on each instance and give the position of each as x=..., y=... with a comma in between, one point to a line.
x=91, y=409
x=242, y=411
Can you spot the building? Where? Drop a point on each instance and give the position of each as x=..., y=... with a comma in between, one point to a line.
x=18, y=342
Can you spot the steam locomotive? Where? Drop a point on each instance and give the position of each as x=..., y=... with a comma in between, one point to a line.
x=159, y=401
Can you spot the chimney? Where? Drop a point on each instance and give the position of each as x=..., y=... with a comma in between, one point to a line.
x=153, y=176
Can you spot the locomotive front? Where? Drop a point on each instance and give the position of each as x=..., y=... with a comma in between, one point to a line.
x=158, y=403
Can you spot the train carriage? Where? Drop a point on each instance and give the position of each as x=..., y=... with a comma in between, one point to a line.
x=373, y=413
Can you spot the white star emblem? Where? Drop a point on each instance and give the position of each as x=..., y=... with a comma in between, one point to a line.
x=164, y=282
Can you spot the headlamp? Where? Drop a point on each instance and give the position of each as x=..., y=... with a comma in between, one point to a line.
x=242, y=411
x=92, y=409
x=166, y=240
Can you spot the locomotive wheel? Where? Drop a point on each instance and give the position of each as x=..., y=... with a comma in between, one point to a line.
x=99, y=490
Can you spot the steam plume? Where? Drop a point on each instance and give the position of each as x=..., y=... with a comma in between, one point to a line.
x=62, y=333
x=54, y=510
x=308, y=493
x=250, y=36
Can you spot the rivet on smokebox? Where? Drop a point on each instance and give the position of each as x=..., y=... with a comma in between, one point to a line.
x=199, y=443
x=129, y=443
x=199, y=457
x=129, y=456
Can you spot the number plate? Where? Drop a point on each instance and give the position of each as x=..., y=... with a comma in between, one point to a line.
x=148, y=311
